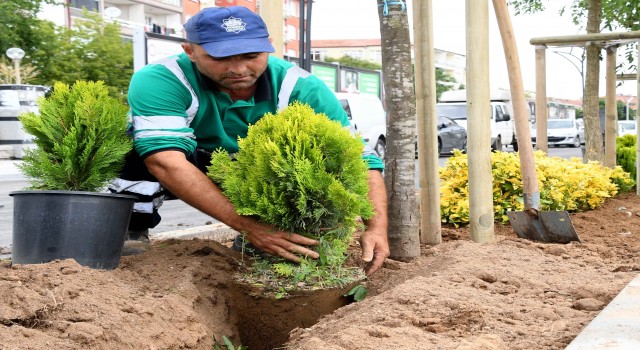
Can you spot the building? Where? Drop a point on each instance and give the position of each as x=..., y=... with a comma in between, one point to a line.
x=156, y=16
x=370, y=50
x=166, y=17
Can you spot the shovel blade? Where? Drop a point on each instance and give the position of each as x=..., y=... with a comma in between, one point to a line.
x=548, y=226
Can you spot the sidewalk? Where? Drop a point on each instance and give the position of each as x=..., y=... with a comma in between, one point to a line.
x=617, y=326
x=9, y=170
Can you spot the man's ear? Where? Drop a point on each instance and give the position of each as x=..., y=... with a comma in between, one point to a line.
x=188, y=49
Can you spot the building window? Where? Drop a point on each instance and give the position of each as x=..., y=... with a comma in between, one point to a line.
x=171, y=2
x=90, y=5
x=291, y=33
x=376, y=56
x=291, y=9
x=318, y=55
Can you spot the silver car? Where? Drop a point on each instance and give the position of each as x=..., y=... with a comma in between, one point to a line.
x=450, y=136
x=561, y=132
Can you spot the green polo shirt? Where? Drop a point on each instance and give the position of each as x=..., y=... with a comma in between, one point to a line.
x=174, y=107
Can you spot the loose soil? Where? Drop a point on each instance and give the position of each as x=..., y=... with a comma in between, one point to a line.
x=509, y=294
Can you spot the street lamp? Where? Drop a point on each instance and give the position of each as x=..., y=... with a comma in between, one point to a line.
x=16, y=54
x=573, y=59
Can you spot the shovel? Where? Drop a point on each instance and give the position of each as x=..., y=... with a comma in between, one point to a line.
x=532, y=224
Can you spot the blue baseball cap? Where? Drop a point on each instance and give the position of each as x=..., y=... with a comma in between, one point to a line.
x=228, y=31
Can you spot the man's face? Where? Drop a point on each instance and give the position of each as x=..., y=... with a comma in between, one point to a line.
x=229, y=73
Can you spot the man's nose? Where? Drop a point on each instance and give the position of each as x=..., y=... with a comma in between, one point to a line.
x=237, y=66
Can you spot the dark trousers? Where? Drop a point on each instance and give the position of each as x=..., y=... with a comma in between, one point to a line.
x=135, y=170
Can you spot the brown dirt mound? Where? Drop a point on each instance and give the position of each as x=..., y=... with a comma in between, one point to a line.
x=510, y=294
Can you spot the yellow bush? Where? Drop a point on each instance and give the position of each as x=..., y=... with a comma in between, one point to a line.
x=565, y=184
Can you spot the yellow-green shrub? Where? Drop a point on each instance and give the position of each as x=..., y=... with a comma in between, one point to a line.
x=565, y=184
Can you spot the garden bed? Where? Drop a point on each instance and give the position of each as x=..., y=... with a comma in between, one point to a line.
x=510, y=294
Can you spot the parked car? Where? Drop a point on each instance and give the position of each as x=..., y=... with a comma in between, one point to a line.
x=451, y=135
x=368, y=117
x=626, y=127
x=561, y=132
x=453, y=104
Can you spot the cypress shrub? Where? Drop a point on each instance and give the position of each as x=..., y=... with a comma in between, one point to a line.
x=626, y=153
x=80, y=137
x=302, y=173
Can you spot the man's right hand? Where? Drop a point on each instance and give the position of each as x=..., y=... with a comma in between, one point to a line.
x=284, y=244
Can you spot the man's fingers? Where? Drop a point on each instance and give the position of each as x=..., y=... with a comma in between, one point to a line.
x=293, y=253
x=367, y=250
x=288, y=255
x=374, y=265
x=296, y=238
x=304, y=251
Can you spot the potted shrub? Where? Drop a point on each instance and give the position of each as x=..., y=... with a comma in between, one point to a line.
x=81, y=142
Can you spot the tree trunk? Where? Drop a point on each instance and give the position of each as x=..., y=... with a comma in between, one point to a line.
x=404, y=221
x=593, y=131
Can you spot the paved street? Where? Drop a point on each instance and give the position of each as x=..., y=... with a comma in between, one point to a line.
x=176, y=214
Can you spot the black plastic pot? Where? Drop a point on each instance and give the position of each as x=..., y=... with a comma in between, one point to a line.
x=86, y=226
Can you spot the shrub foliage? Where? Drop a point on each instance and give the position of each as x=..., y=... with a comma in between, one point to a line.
x=303, y=173
x=80, y=134
x=564, y=185
x=626, y=153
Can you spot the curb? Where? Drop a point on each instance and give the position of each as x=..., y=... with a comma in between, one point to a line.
x=617, y=326
x=218, y=232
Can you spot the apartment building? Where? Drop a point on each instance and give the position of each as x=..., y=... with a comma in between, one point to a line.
x=156, y=16
x=370, y=50
x=167, y=16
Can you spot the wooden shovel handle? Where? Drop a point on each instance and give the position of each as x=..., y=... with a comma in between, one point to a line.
x=525, y=148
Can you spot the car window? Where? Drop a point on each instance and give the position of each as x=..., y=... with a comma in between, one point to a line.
x=345, y=106
x=499, y=113
x=628, y=125
x=445, y=121
x=453, y=111
x=560, y=124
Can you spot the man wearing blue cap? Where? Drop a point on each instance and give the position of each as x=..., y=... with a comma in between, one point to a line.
x=185, y=106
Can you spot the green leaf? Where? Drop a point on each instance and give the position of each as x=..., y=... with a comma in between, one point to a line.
x=358, y=293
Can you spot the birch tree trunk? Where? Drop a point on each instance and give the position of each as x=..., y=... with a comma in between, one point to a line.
x=404, y=220
x=593, y=137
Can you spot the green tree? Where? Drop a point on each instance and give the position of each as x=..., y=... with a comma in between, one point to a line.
x=445, y=82
x=18, y=23
x=621, y=108
x=20, y=27
x=92, y=50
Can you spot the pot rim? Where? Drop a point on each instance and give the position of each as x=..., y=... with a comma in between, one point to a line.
x=67, y=192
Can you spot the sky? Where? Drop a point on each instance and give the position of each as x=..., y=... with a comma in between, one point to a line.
x=358, y=19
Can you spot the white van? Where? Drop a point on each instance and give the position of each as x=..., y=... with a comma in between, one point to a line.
x=453, y=104
x=368, y=117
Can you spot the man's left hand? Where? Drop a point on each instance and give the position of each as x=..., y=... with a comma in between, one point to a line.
x=375, y=249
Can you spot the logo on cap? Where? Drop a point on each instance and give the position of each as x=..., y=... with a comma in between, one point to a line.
x=233, y=24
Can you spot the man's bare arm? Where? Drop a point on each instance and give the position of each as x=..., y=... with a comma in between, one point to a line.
x=374, y=241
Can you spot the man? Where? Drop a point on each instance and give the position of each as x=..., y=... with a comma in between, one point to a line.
x=186, y=106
